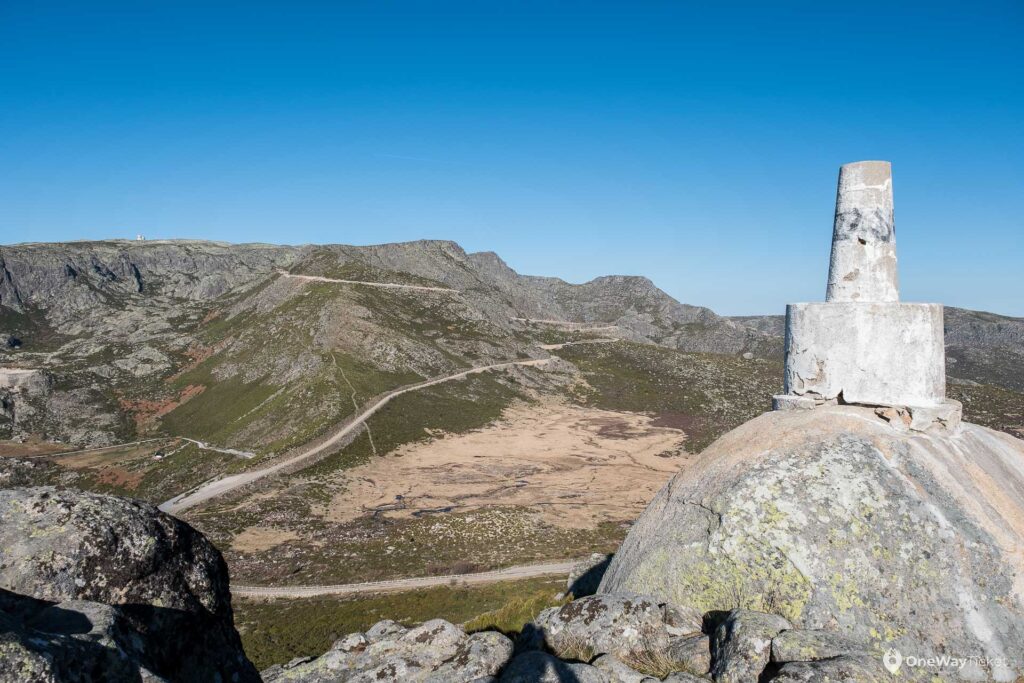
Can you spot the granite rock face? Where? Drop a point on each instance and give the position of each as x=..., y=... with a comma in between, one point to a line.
x=741, y=648
x=118, y=580
x=620, y=625
x=435, y=651
x=838, y=521
x=608, y=638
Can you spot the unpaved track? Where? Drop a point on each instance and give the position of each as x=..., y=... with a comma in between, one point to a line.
x=555, y=347
x=219, y=487
x=383, y=285
x=61, y=454
x=508, y=574
x=568, y=326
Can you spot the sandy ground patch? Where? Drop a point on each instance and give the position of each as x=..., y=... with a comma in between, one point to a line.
x=257, y=538
x=575, y=466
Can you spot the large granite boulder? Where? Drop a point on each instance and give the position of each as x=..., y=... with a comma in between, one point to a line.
x=115, y=579
x=838, y=519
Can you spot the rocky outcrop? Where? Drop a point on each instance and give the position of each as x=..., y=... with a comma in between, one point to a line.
x=609, y=638
x=389, y=653
x=619, y=638
x=607, y=624
x=838, y=521
x=66, y=278
x=742, y=645
x=115, y=583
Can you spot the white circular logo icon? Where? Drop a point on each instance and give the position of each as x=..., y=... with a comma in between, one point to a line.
x=893, y=660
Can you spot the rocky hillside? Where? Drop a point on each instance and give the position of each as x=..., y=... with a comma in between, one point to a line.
x=125, y=334
x=206, y=359
x=131, y=339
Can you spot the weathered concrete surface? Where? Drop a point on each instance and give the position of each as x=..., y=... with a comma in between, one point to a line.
x=838, y=521
x=870, y=353
x=863, y=263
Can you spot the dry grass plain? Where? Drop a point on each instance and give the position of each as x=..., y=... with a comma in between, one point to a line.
x=575, y=466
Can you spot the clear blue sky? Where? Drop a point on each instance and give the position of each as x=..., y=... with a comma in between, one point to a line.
x=695, y=143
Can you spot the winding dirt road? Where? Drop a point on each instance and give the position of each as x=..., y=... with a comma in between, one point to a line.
x=508, y=574
x=383, y=285
x=556, y=347
x=218, y=487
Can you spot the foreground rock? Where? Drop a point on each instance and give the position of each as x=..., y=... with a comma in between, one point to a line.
x=742, y=645
x=97, y=587
x=600, y=639
x=434, y=651
x=840, y=521
x=539, y=667
x=620, y=625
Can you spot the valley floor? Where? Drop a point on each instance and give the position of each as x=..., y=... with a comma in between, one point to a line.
x=546, y=479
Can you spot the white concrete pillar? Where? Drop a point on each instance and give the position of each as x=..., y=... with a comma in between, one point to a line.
x=862, y=345
x=863, y=263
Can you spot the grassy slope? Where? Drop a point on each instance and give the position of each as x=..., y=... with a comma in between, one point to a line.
x=260, y=413
x=704, y=394
x=990, y=406
x=274, y=632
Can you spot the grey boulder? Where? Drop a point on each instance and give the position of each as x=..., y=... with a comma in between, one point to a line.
x=585, y=576
x=691, y=652
x=842, y=669
x=741, y=647
x=436, y=651
x=126, y=578
x=622, y=625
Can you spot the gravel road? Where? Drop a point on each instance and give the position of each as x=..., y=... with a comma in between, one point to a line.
x=507, y=574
